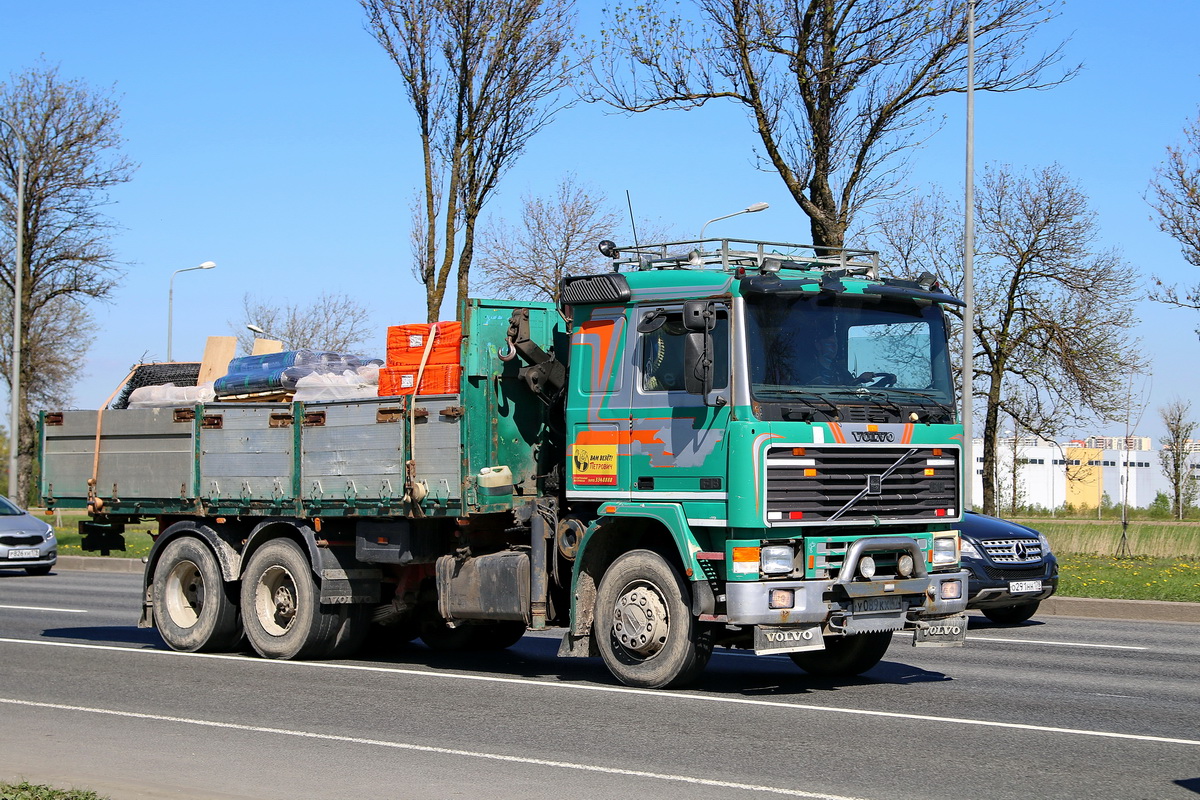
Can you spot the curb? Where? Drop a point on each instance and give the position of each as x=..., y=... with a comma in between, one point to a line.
x=1134, y=610
x=101, y=564
x=1090, y=608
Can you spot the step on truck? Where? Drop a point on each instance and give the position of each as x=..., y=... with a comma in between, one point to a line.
x=724, y=443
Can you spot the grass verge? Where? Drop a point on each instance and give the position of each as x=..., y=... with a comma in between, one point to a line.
x=29, y=791
x=1136, y=578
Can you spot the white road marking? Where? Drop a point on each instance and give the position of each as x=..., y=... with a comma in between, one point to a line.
x=39, y=608
x=1059, y=644
x=658, y=694
x=421, y=748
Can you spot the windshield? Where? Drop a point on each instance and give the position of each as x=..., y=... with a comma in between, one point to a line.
x=7, y=509
x=855, y=345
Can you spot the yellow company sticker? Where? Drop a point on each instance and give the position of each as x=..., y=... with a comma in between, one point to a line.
x=594, y=465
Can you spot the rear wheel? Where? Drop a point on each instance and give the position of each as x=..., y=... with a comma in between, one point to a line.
x=644, y=626
x=1011, y=615
x=844, y=656
x=194, y=609
x=281, y=606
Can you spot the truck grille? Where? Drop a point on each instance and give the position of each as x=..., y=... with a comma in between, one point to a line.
x=1013, y=551
x=852, y=484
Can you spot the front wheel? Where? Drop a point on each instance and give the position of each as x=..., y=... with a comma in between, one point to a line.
x=844, y=656
x=281, y=606
x=1011, y=615
x=194, y=610
x=644, y=626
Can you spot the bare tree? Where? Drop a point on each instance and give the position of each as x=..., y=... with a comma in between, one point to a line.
x=483, y=77
x=334, y=322
x=1176, y=457
x=1175, y=196
x=69, y=138
x=1053, y=313
x=837, y=92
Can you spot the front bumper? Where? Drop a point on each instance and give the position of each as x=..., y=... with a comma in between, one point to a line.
x=46, y=558
x=823, y=601
x=990, y=586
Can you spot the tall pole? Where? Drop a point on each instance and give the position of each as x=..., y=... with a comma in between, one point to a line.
x=968, y=361
x=171, y=300
x=14, y=432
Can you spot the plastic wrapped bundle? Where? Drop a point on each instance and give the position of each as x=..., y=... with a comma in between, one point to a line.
x=277, y=374
x=170, y=395
x=326, y=386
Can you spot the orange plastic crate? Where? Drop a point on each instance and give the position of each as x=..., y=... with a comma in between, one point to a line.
x=406, y=344
x=437, y=379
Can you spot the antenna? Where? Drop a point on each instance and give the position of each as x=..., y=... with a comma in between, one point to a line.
x=632, y=224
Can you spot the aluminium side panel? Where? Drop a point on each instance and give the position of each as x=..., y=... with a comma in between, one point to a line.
x=247, y=452
x=143, y=453
x=353, y=450
x=437, y=445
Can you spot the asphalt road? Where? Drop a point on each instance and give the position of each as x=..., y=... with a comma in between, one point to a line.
x=1058, y=707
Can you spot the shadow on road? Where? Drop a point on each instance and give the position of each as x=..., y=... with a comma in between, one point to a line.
x=109, y=634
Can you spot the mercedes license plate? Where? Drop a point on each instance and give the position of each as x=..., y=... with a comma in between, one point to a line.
x=23, y=553
x=869, y=605
x=1024, y=587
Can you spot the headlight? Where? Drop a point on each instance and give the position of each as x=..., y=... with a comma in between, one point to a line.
x=776, y=559
x=967, y=549
x=1045, y=544
x=945, y=550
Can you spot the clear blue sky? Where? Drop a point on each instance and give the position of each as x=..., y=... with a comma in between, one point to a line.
x=273, y=139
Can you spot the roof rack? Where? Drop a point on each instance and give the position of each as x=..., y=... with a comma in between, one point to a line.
x=745, y=253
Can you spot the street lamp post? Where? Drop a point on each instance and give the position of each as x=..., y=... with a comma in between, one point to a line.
x=171, y=299
x=747, y=210
x=14, y=433
x=267, y=334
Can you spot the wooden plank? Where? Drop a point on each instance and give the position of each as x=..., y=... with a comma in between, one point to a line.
x=264, y=346
x=218, y=352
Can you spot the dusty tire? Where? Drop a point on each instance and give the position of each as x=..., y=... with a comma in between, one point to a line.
x=354, y=623
x=644, y=625
x=1011, y=615
x=194, y=609
x=844, y=656
x=43, y=570
x=281, y=608
x=496, y=635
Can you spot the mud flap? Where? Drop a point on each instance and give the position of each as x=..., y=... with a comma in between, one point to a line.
x=944, y=632
x=771, y=639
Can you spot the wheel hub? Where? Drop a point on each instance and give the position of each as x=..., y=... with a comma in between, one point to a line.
x=640, y=623
x=285, y=604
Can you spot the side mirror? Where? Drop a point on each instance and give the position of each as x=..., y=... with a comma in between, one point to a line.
x=699, y=315
x=698, y=363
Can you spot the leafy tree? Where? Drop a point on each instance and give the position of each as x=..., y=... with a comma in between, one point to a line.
x=334, y=322
x=483, y=77
x=837, y=91
x=1053, y=314
x=1161, y=507
x=69, y=138
x=1176, y=456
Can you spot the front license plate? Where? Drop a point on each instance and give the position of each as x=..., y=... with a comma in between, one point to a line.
x=23, y=553
x=1023, y=587
x=868, y=605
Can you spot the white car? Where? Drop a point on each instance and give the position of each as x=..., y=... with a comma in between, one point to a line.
x=26, y=542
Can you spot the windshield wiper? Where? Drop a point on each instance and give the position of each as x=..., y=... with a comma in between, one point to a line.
x=926, y=396
x=822, y=405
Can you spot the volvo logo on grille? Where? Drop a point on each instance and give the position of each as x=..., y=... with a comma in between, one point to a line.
x=874, y=484
x=874, y=436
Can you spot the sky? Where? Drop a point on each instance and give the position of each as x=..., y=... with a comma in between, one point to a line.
x=273, y=138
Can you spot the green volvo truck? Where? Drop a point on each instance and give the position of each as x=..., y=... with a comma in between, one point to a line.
x=724, y=443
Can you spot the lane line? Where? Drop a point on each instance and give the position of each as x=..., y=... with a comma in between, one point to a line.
x=658, y=694
x=421, y=748
x=1058, y=644
x=39, y=608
